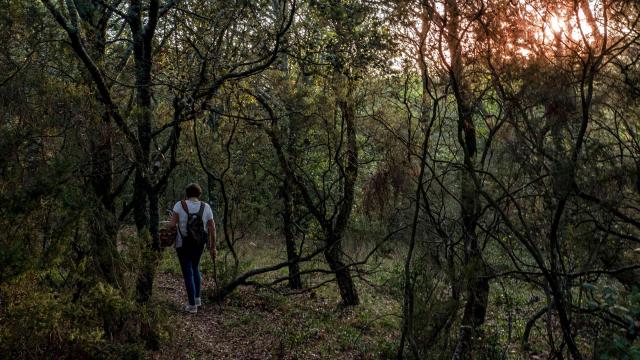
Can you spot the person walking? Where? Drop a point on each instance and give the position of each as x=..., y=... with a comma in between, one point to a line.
x=195, y=228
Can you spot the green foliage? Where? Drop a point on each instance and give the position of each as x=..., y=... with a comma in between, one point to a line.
x=99, y=324
x=624, y=342
x=619, y=347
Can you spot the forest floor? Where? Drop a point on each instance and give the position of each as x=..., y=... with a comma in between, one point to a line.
x=264, y=324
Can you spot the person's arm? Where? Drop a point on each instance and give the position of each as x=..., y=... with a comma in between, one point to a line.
x=211, y=227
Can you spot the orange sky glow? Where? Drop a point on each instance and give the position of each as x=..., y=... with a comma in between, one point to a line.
x=561, y=27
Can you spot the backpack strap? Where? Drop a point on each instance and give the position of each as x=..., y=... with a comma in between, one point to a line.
x=201, y=211
x=184, y=207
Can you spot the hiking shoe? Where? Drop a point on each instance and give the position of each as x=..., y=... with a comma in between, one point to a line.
x=198, y=301
x=190, y=309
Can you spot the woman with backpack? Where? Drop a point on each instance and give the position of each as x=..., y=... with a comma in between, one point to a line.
x=195, y=228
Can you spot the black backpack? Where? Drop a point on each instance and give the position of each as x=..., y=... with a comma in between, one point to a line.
x=195, y=236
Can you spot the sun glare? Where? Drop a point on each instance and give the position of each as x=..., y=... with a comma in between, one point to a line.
x=539, y=28
x=556, y=24
x=554, y=29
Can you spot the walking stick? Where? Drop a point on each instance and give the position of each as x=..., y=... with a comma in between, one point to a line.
x=215, y=272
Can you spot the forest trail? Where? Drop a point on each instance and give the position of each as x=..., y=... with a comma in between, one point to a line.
x=261, y=324
x=215, y=332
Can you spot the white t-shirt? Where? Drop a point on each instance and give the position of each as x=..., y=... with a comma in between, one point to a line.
x=194, y=207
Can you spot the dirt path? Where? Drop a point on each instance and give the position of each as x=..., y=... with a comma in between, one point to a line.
x=211, y=333
x=260, y=324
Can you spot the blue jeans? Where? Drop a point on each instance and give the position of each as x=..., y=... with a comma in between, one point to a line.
x=189, y=263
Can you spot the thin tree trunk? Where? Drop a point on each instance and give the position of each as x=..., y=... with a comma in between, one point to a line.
x=104, y=227
x=295, y=281
x=477, y=284
x=407, y=308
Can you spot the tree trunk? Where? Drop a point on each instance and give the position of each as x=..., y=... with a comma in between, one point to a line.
x=295, y=281
x=333, y=255
x=146, y=218
x=477, y=285
x=477, y=291
x=104, y=229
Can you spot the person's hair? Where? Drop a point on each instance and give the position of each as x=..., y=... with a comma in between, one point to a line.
x=193, y=190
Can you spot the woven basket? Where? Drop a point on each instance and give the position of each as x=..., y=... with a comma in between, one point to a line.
x=167, y=234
